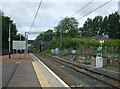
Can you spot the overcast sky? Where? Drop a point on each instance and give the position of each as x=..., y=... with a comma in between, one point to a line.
x=50, y=13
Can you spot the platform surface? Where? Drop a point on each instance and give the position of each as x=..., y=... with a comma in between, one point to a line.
x=30, y=72
x=24, y=76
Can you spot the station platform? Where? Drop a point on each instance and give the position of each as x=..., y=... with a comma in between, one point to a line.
x=26, y=70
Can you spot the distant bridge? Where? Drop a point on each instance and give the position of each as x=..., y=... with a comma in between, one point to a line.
x=43, y=44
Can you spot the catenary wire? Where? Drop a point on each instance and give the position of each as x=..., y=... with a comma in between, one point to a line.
x=36, y=15
x=83, y=8
x=94, y=10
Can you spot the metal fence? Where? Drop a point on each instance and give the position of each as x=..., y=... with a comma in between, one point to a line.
x=106, y=51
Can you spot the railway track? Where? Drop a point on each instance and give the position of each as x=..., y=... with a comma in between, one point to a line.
x=106, y=79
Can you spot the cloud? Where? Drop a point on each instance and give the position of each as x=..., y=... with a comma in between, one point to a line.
x=50, y=13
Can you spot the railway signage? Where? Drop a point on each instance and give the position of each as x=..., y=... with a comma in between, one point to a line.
x=19, y=45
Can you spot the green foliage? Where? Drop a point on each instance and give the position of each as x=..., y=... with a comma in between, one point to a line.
x=113, y=43
x=47, y=51
x=17, y=37
x=45, y=36
x=109, y=26
x=69, y=27
x=113, y=25
x=34, y=47
x=6, y=22
x=76, y=43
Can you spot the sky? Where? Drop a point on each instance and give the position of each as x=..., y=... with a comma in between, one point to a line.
x=22, y=12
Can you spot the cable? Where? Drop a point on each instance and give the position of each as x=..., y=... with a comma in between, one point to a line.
x=94, y=10
x=83, y=8
x=36, y=15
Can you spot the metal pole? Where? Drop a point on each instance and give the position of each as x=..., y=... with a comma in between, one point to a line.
x=20, y=49
x=101, y=48
x=26, y=43
x=53, y=37
x=112, y=52
x=60, y=41
x=9, y=40
x=20, y=37
x=26, y=38
x=42, y=48
x=43, y=42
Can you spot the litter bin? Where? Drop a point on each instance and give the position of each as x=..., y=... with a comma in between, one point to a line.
x=99, y=60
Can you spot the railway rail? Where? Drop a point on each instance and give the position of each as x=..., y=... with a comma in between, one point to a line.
x=104, y=78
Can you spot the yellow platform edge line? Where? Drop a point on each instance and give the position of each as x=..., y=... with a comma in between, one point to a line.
x=42, y=80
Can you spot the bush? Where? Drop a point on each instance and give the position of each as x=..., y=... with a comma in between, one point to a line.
x=87, y=43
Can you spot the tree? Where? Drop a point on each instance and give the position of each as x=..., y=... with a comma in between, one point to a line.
x=104, y=26
x=6, y=21
x=46, y=36
x=69, y=27
x=92, y=27
x=98, y=26
x=17, y=37
x=113, y=30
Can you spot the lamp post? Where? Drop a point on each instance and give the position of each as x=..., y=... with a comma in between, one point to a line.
x=60, y=41
x=9, y=39
x=20, y=49
x=60, y=38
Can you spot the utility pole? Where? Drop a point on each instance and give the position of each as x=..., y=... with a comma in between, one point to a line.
x=27, y=43
x=9, y=39
x=60, y=41
x=20, y=37
x=26, y=40
x=42, y=44
x=20, y=49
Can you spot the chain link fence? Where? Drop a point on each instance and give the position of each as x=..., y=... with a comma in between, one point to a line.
x=106, y=51
x=87, y=56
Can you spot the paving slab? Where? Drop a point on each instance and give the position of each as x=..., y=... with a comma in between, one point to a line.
x=23, y=76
